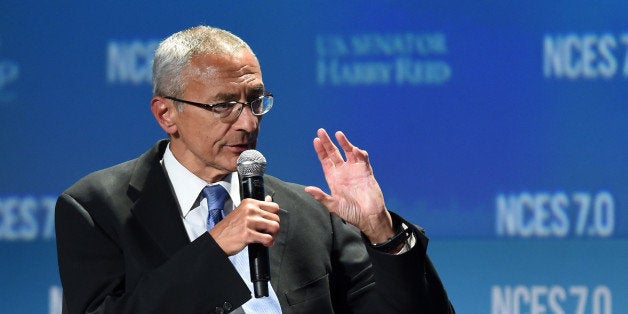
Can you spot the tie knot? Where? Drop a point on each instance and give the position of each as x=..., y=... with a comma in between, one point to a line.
x=216, y=196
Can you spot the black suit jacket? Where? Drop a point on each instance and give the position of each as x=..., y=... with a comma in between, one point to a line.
x=122, y=248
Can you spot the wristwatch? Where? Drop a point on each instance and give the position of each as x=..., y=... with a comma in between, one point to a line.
x=401, y=235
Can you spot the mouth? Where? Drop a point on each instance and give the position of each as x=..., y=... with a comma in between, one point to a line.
x=238, y=148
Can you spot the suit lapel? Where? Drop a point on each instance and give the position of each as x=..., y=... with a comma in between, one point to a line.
x=276, y=252
x=156, y=208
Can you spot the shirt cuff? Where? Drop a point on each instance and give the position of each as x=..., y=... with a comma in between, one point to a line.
x=410, y=242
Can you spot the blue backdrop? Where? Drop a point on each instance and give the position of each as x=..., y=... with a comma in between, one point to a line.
x=499, y=127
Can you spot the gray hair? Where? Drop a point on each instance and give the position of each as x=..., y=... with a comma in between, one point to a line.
x=175, y=53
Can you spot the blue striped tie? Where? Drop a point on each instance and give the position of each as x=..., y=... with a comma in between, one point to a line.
x=216, y=196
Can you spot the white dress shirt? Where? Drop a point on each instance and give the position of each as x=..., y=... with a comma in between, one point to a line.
x=194, y=211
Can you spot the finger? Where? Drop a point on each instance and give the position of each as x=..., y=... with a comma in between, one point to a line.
x=347, y=147
x=252, y=208
x=262, y=231
x=267, y=204
x=320, y=151
x=269, y=212
x=322, y=197
x=316, y=193
x=352, y=152
x=330, y=150
x=262, y=225
x=264, y=239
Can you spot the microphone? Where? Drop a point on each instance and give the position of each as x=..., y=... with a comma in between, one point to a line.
x=251, y=167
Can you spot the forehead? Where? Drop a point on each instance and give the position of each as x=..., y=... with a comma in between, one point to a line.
x=239, y=68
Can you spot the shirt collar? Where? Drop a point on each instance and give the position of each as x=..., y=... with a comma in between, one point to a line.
x=187, y=186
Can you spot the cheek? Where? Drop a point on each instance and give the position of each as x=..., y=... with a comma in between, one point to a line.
x=201, y=133
x=212, y=136
x=198, y=123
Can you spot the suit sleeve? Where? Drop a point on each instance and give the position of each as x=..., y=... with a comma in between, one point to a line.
x=405, y=283
x=410, y=281
x=92, y=267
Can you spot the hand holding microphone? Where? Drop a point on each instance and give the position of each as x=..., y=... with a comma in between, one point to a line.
x=251, y=167
x=254, y=223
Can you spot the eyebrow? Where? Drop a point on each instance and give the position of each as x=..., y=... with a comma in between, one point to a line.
x=255, y=91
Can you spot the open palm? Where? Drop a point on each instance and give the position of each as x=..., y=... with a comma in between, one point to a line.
x=355, y=194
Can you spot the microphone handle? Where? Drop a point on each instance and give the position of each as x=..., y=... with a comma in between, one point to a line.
x=253, y=187
x=260, y=269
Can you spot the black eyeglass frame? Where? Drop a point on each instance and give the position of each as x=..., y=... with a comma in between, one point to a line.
x=210, y=107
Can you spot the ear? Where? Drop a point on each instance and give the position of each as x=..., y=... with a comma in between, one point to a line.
x=165, y=113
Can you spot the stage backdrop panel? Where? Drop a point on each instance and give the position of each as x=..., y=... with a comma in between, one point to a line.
x=500, y=127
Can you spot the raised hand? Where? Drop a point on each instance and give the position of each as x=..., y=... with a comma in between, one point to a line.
x=355, y=194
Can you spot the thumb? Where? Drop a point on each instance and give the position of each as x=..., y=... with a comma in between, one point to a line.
x=319, y=195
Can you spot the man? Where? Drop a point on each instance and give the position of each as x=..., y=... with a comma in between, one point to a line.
x=132, y=238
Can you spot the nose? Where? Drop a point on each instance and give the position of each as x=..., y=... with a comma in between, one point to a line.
x=246, y=120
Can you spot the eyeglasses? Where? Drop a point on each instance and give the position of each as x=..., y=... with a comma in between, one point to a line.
x=223, y=110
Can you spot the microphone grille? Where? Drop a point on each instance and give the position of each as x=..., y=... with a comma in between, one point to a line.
x=251, y=163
